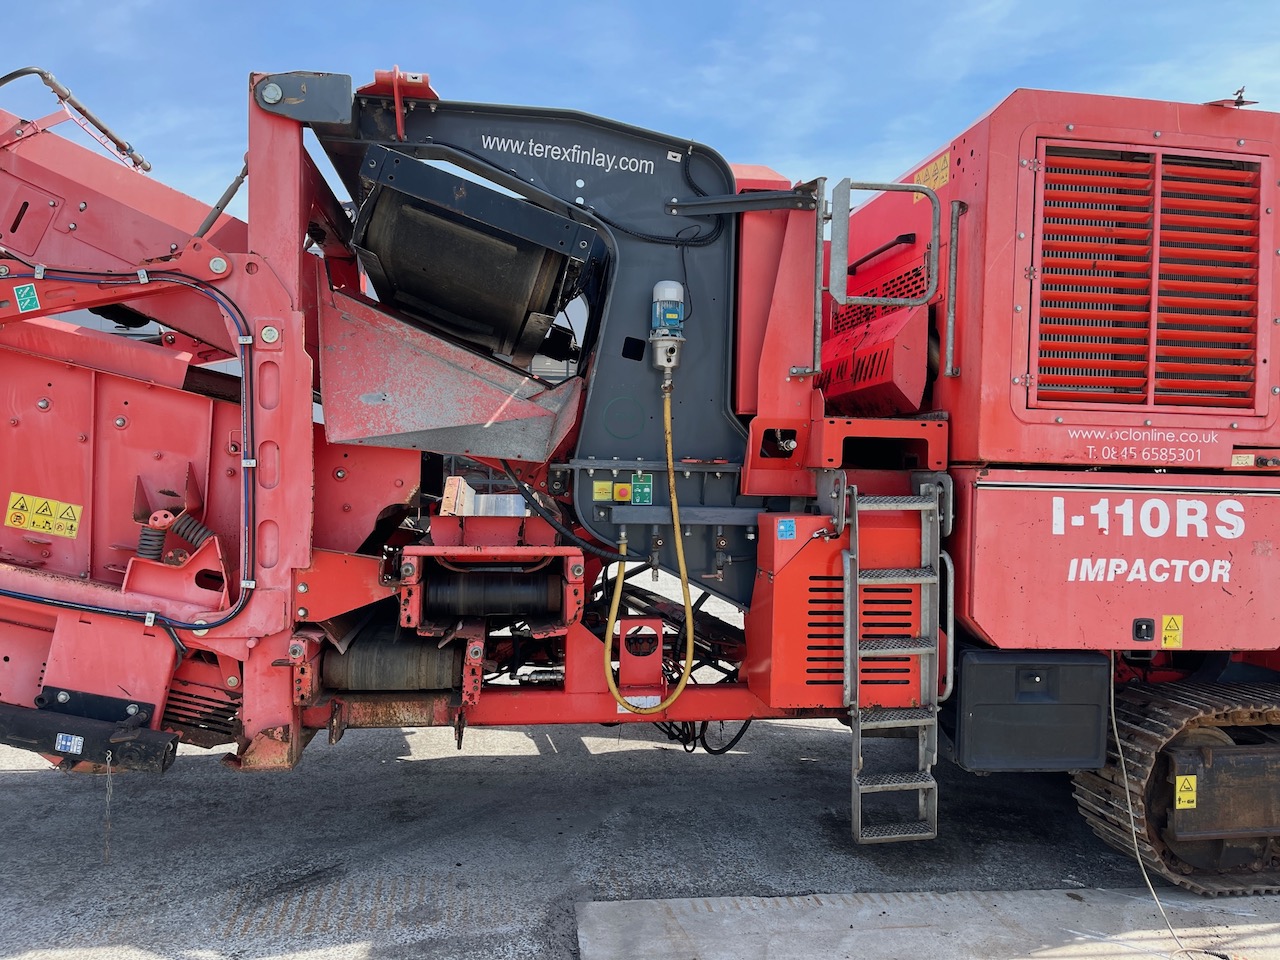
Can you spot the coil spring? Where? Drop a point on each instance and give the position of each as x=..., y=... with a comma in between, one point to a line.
x=150, y=543
x=191, y=530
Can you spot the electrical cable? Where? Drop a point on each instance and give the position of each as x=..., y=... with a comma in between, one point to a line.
x=560, y=528
x=248, y=540
x=1182, y=950
x=622, y=701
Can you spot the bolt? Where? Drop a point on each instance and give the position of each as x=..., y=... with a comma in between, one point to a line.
x=199, y=633
x=173, y=248
x=13, y=421
x=233, y=681
x=157, y=455
x=231, y=471
x=1156, y=134
x=170, y=339
x=83, y=438
x=43, y=403
x=1146, y=423
x=1235, y=426
x=71, y=226
x=4, y=271
x=1018, y=308
x=303, y=588
x=1239, y=143
x=1275, y=390
x=1071, y=126
x=1022, y=235
x=303, y=613
x=270, y=334
x=63, y=696
x=295, y=650
x=407, y=569
x=271, y=93
x=340, y=474
x=121, y=422
x=1057, y=419
x=475, y=653
x=577, y=570
x=82, y=206
x=1022, y=163
x=131, y=709
x=218, y=265
x=1017, y=380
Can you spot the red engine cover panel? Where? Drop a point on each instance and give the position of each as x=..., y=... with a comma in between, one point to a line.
x=1114, y=272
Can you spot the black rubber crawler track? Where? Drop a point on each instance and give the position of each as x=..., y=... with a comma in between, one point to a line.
x=1148, y=718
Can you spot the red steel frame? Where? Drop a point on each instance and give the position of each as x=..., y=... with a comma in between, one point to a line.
x=313, y=501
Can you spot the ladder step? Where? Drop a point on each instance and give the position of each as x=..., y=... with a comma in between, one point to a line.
x=891, y=832
x=887, y=782
x=880, y=718
x=899, y=575
x=896, y=647
x=897, y=503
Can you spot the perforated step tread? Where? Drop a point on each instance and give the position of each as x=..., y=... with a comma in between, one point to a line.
x=899, y=575
x=889, y=782
x=890, y=832
x=902, y=502
x=878, y=718
x=896, y=647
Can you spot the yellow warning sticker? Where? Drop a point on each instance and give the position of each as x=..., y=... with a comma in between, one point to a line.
x=1171, y=631
x=42, y=515
x=601, y=490
x=934, y=174
x=1185, y=796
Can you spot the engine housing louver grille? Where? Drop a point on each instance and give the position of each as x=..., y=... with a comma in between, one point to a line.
x=1148, y=279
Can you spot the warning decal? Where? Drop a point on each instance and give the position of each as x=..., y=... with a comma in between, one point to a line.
x=936, y=174
x=1185, y=796
x=1171, y=631
x=28, y=512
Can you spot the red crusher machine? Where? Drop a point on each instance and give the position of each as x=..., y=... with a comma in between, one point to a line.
x=993, y=469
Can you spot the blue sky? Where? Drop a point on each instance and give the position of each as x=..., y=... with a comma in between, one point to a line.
x=863, y=88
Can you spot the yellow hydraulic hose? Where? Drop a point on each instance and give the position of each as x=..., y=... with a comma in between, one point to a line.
x=684, y=584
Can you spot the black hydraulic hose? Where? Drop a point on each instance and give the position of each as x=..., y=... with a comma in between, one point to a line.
x=560, y=528
x=717, y=751
x=63, y=93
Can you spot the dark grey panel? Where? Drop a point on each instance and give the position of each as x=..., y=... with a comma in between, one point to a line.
x=627, y=175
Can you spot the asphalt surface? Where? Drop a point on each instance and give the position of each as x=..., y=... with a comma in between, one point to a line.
x=394, y=844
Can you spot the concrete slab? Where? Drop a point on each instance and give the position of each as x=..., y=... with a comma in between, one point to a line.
x=1039, y=924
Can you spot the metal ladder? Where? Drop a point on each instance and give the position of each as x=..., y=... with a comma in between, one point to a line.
x=931, y=499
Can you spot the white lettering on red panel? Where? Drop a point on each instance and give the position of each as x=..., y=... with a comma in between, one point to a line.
x=1151, y=518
